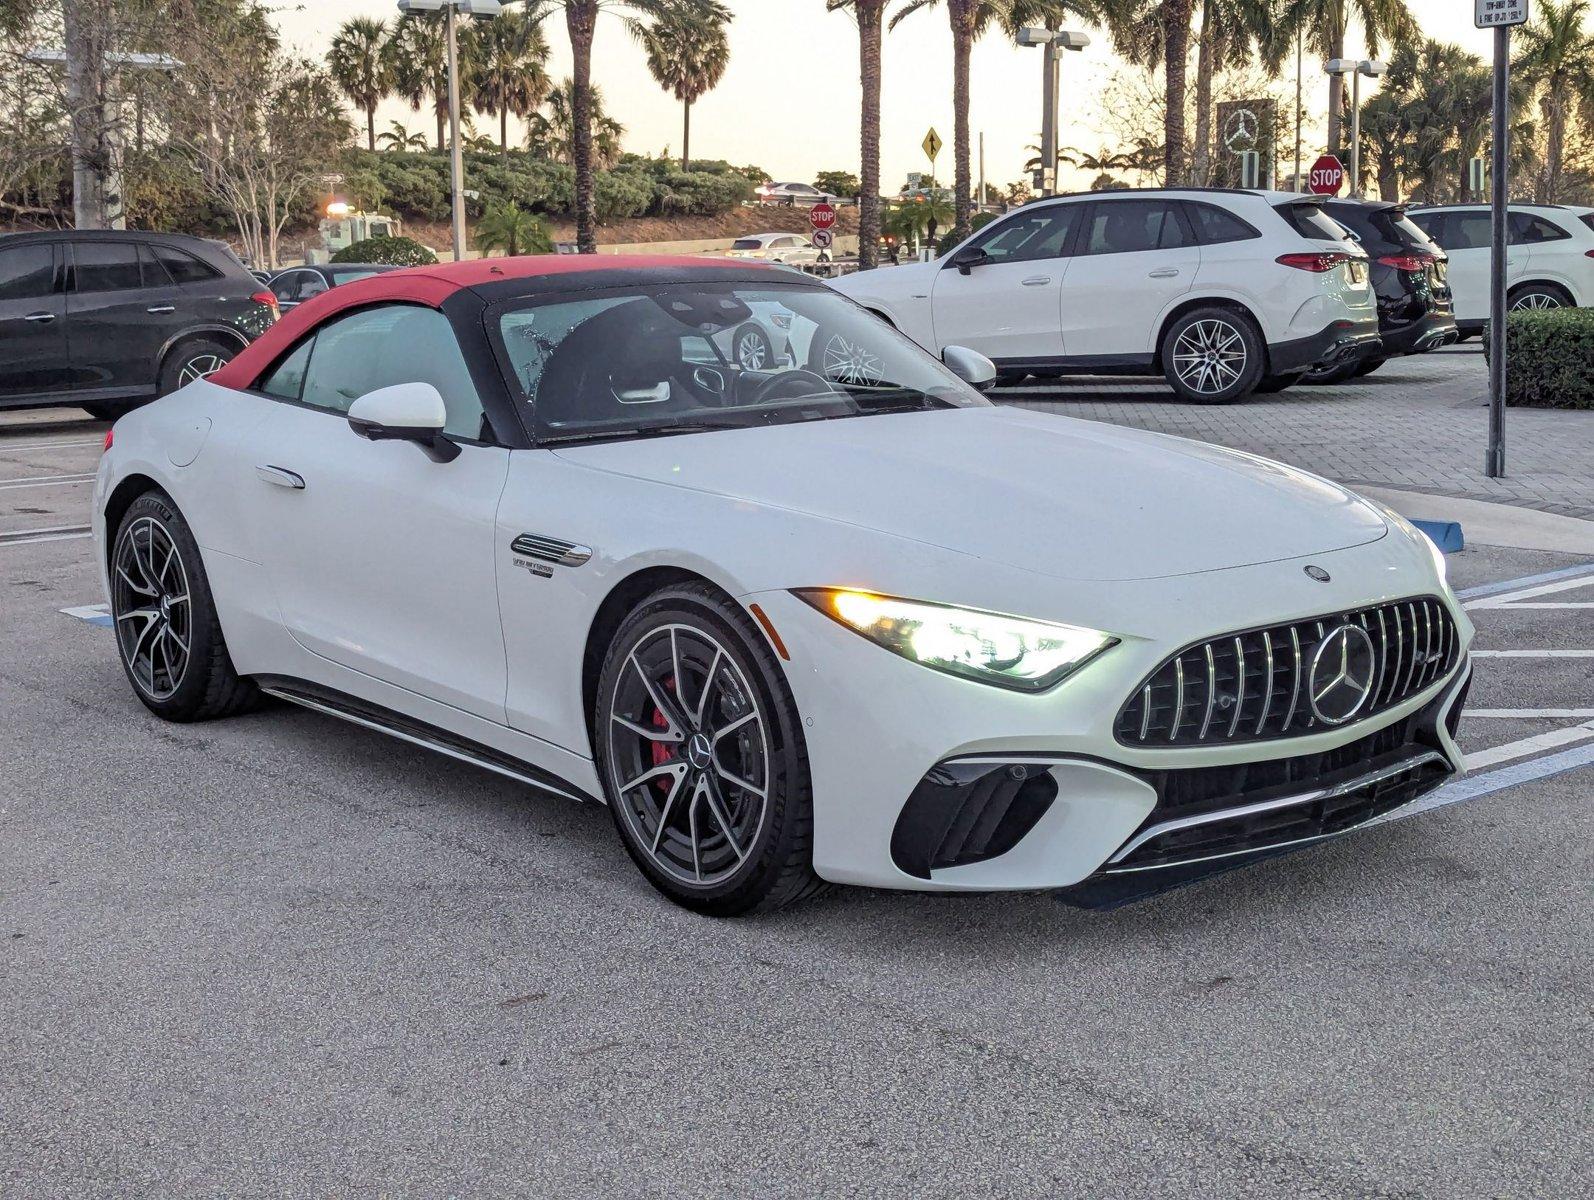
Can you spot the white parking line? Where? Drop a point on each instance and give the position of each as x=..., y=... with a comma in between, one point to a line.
x=1533, y=654
x=94, y=614
x=9, y=447
x=59, y=533
x=1530, y=714
x=7, y=485
x=1514, y=599
x=1474, y=786
x=1522, y=748
x=1507, y=585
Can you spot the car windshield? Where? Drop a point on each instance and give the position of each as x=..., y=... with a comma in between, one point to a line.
x=692, y=357
x=747, y=244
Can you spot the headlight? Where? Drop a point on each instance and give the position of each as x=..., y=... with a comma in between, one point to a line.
x=1400, y=522
x=1010, y=652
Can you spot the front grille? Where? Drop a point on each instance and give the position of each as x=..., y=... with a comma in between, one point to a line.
x=1253, y=686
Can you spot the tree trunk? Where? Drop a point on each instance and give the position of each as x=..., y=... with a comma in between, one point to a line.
x=1206, y=54
x=370, y=127
x=962, y=15
x=581, y=19
x=1554, y=147
x=503, y=129
x=442, y=126
x=686, y=134
x=869, y=17
x=85, y=101
x=1336, y=93
x=1176, y=43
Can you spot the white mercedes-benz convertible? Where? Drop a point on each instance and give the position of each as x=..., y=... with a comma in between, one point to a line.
x=837, y=619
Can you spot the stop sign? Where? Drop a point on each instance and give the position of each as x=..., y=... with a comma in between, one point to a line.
x=1327, y=174
x=822, y=216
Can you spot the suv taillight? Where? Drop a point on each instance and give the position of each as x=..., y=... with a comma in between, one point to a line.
x=269, y=299
x=1408, y=262
x=1318, y=263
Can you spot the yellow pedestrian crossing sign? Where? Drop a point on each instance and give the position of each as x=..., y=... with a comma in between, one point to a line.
x=932, y=145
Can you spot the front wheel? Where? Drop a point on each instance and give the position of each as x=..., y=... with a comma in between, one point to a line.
x=167, y=632
x=701, y=755
x=1213, y=356
x=753, y=351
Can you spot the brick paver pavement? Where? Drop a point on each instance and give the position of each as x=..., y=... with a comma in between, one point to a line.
x=1417, y=423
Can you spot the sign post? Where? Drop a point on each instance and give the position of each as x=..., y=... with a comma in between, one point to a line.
x=1498, y=15
x=1326, y=175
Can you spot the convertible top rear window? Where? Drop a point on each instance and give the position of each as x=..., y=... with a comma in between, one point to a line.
x=697, y=356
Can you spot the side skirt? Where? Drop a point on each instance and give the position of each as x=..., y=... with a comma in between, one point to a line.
x=373, y=716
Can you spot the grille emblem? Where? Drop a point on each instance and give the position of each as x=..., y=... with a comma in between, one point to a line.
x=1317, y=573
x=1342, y=674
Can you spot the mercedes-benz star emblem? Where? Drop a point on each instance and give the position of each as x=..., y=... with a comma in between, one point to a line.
x=1341, y=679
x=1317, y=573
x=1241, y=132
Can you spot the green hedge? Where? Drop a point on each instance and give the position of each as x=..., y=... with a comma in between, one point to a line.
x=388, y=251
x=1551, y=357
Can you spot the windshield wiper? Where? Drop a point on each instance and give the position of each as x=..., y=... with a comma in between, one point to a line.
x=640, y=431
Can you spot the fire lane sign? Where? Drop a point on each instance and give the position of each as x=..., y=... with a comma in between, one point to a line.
x=1491, y=14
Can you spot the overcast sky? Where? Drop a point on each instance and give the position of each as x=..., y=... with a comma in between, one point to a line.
x=789, y=100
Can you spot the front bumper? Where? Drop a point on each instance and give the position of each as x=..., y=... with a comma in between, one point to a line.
x=1338, y=342
x=925, y=781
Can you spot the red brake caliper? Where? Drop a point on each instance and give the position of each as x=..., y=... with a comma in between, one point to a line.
x=663, y=752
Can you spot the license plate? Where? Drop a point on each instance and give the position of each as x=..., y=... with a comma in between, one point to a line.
x=1441, y=271
x=1356, y=269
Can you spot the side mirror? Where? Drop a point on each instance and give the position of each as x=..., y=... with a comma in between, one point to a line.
x=972, y=367
x=966, y=259
x=405, y=412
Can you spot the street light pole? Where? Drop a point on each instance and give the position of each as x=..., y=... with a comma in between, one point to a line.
x=1051, y=42
x=456, y=155
x=1356, y=135
x=1300, y=65
x=1499, y=183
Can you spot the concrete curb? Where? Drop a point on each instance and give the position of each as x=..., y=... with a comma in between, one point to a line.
x=1488, y=524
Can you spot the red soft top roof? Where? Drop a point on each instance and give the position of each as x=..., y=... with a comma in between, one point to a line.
x=431, y=286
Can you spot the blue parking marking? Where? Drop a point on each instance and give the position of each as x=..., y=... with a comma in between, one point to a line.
x=1444, y=534
x=94, y=614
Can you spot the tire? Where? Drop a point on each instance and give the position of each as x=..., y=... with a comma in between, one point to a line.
x=154, y=561
x=688, y=811
x=1338, y=373
x=1532, y=296
x=840, y=359
x=1270, y=384
x=752, y=349
x=1213, y=356
x=1368, y=365
x=193, y=360
x=108, y=410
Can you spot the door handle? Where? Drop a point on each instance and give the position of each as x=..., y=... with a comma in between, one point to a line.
x=162, y=309
x=280, y=476
x=1164, y=273
x=1037, y=281
x=43, y=318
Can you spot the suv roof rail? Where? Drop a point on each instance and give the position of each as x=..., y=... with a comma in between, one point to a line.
x=1140, y=191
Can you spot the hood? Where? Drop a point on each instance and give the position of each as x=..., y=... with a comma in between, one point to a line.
x=1068, y=498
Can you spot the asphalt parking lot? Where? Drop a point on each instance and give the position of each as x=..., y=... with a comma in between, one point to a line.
x=281, y=955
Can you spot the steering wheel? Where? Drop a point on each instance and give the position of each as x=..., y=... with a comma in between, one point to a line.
x=811, y=382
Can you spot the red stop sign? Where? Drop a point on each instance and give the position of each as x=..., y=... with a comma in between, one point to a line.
x=822, y=216
x=1326, y=176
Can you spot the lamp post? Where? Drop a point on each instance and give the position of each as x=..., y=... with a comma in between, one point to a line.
x=1050, y=41
x=1372, y=69
x=452, y=9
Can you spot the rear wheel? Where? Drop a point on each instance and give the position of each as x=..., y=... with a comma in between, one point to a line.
x=702, y=758
x=1213, y=356
x=752, y=349
x=1368, y=365
x=1337, y=373
x=194, y=360
x=1269, y=384
x=167, y=631
x=1538, y=296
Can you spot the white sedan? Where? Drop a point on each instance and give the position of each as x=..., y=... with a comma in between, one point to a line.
x=837, y=620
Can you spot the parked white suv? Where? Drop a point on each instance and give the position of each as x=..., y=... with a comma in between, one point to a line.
x=1222, y=292
x=790, y=248
x=1549, y=256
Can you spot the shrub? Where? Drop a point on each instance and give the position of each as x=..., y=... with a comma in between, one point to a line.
x=389, y=251
x=1551, y=358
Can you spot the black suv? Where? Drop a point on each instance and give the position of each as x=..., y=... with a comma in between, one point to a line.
x=1415, y=309
x=107, y=320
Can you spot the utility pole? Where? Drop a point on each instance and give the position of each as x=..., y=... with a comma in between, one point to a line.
x=96, y=185
x=457, y=157
x=1300, y=66
x=980, y=204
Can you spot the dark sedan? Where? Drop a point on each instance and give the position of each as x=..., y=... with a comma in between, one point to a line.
x=1409, y=275
x=298, y=284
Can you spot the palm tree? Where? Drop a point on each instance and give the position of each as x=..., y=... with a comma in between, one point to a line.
x=355, y=61
x=869, y=14
x=509, y=78
x=688, y=50
x=512, y=229
x=398, y=137
x=1232, y=32
x=581, y=22
x=970, y=19
x=415, y=56
x=552, y=131
x=1324, y=24
x=1556, y=58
